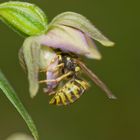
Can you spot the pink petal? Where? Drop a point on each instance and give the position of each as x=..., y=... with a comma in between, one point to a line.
x=94, y=53
x=69, y=40
x=51, y=74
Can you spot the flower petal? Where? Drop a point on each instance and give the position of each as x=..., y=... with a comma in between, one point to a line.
x=80, y=22
x=68, y=40
x=49, y=60
x=31, y=51
x=47, y=54
x=94, y=53
x=33, y=58
x=50, y=75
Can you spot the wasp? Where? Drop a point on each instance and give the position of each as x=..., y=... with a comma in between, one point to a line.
x=69, y=69
x=70, y=92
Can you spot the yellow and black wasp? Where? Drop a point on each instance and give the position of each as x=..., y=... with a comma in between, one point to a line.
x=70, y=92
x=69, y=69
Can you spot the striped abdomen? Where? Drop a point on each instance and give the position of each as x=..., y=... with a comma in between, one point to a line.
x=70, y=92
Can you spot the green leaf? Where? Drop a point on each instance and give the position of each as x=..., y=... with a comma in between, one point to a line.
x=23, y=17
x=81, y=23
x=14, y=99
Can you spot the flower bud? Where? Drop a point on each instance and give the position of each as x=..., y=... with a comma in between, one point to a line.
x=24, y=18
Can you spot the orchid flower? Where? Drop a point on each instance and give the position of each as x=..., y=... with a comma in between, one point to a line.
x=68, y=31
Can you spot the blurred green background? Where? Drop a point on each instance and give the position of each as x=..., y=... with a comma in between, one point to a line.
x=93, y=117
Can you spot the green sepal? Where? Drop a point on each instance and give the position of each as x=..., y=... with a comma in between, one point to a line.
x=23, y=17
x=81, y=23
x=31, y=52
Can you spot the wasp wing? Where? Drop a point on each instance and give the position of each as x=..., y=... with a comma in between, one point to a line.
x=96, y=79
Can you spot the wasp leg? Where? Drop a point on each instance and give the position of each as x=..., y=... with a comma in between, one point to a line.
x=58, y=79
x=58, y=66
x=53, y=70
x=52, y=92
